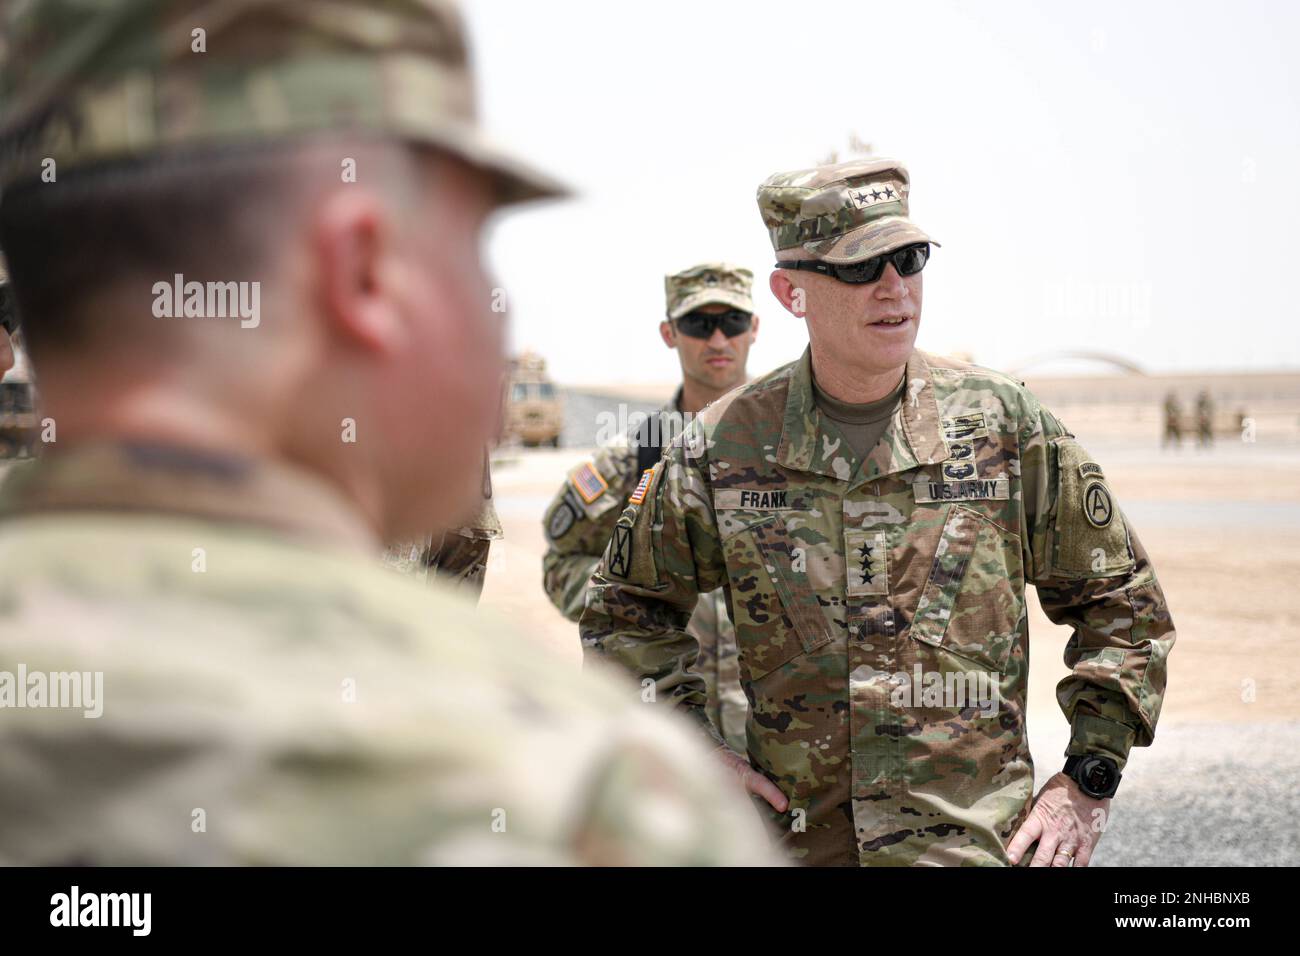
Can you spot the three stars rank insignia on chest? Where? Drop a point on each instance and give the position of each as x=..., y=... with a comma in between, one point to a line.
x=866, y=563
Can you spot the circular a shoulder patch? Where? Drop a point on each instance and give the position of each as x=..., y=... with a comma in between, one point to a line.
x=1097, y=506
x=561, y=520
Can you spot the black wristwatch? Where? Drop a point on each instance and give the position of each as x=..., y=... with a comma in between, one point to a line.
x=1098, y=777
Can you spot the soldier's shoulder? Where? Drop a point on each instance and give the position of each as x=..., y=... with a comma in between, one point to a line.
x=278, y=661
x=756, y=397
x=962, y=387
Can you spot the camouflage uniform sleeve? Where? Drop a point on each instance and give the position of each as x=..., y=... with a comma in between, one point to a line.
x=578, y=529
x=665, y=551
x=462, y=558
x=657, y=801
x=1093, y=574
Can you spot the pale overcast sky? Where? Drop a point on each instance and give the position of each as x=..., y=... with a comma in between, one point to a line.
x=1114, y=177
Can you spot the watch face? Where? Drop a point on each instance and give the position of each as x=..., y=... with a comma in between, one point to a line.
x=1096, y=775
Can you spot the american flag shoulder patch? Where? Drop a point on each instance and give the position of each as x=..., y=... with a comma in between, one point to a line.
x=587, y=482
x=647, y=476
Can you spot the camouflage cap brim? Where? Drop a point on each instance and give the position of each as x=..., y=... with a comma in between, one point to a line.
x=876, y=237
x=516, y=180
x=123, y=82
x=711, y=297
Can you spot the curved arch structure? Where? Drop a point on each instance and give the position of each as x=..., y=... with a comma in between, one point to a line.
x=1117, y=362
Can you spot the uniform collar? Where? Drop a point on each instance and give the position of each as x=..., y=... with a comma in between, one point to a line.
x=674, y=406
x=169, y=479
x=810, y=442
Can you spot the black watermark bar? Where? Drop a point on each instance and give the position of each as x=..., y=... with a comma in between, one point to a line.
x=331, y=906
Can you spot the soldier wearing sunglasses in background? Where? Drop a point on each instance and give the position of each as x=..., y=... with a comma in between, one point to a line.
x=711, y=324
x=875, y=513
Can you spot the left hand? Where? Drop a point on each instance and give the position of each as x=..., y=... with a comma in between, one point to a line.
x=1064, y=822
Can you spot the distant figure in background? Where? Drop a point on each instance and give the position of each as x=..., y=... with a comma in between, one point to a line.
x=1173, y=422
x=1204, y=419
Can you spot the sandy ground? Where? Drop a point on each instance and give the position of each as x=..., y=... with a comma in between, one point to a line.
x=1220, y=784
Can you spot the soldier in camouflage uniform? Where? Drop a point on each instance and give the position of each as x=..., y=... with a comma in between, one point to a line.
x=876, y=563
x=701, y=301
x=8, y=323
x=197, y=546
x=1173, y=422
x=1204, y=419
x=457, y=557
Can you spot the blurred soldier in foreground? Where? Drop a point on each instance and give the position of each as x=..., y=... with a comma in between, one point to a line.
x=235, y=301
x=711, y=323
x=875, y=514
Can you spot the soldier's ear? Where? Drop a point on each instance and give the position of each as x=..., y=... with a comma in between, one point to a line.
x=753, y=328
x=668, y=334
x=787, y=293
x=351, y=235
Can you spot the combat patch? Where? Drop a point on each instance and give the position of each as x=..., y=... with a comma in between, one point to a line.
x=587, y=482
x=752, y=499
x=1088, y=535
x=965, y=427
x=1097, y=506
x=988, y=489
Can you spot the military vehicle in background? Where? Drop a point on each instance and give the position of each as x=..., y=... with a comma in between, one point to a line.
x=534, y=407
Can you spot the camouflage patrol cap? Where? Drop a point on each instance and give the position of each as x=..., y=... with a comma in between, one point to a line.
x=88, y=81
x=841, y=213
x=707, y=284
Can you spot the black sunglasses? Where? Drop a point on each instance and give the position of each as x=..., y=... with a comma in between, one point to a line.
x=700, y=325
x=908, y=260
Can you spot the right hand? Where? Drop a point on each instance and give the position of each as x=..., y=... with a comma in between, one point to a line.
x=753, y=781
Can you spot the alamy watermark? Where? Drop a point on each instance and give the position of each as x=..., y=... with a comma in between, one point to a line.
x=951, y=690
x=659, y=428
x=56, y=690
x=179, y=299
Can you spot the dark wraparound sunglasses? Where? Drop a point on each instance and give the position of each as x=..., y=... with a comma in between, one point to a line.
x=700, y=325
x=908, y=261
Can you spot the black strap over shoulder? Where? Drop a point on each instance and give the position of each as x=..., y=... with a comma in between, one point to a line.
x=649, y=445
